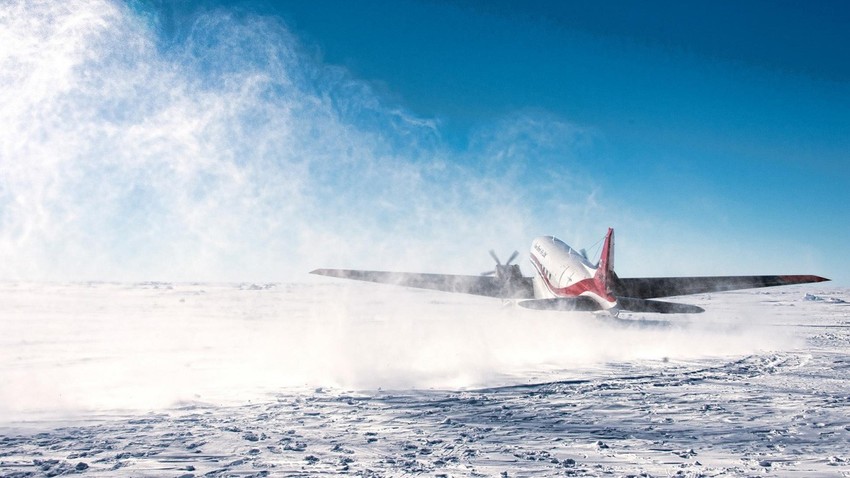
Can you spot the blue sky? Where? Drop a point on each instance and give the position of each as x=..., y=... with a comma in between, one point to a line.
x=714, y=136
x=735, y=115
x=750, y=103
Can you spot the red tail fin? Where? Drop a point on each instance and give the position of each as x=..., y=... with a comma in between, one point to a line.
x=605, y=268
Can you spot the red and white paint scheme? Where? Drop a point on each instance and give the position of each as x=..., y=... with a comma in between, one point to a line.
x=563, y=272
x=566, y=280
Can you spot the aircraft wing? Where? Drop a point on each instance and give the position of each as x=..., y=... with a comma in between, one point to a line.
x=647, y=288
x=515, y=288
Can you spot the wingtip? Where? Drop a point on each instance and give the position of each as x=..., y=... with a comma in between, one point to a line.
x=331, y=273
x=803, y=279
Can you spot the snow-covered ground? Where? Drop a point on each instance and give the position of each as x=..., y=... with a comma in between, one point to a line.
x=327, y=378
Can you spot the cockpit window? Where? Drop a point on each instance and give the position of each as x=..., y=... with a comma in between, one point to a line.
x=563, y=245
x=560, y=242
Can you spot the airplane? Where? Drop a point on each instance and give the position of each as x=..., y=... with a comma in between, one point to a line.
x=566, y=280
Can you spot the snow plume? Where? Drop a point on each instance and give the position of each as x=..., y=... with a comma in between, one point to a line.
x=78, y=348
x=228, y=151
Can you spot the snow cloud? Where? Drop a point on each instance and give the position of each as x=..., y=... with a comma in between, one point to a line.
x=229, y=151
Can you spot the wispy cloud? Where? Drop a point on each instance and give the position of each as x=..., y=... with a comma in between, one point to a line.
x=234, y=153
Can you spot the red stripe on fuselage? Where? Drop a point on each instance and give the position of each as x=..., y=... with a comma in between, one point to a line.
x=588, y=285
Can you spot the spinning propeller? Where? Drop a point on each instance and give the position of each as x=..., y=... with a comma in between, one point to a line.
x=506, y=270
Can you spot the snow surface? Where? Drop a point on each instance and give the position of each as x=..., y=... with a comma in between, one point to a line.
x=327, y=378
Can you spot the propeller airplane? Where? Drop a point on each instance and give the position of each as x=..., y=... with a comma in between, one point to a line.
x=566, y=280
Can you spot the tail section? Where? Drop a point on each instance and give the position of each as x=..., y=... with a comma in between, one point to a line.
x=605, y=269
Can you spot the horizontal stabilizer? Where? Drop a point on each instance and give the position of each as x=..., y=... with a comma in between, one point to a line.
x=656, y=306
x=563, y=304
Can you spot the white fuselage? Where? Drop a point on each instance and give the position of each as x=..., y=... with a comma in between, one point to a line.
x=561, y=271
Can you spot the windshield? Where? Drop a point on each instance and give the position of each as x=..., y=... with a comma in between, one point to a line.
x=581, y=255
